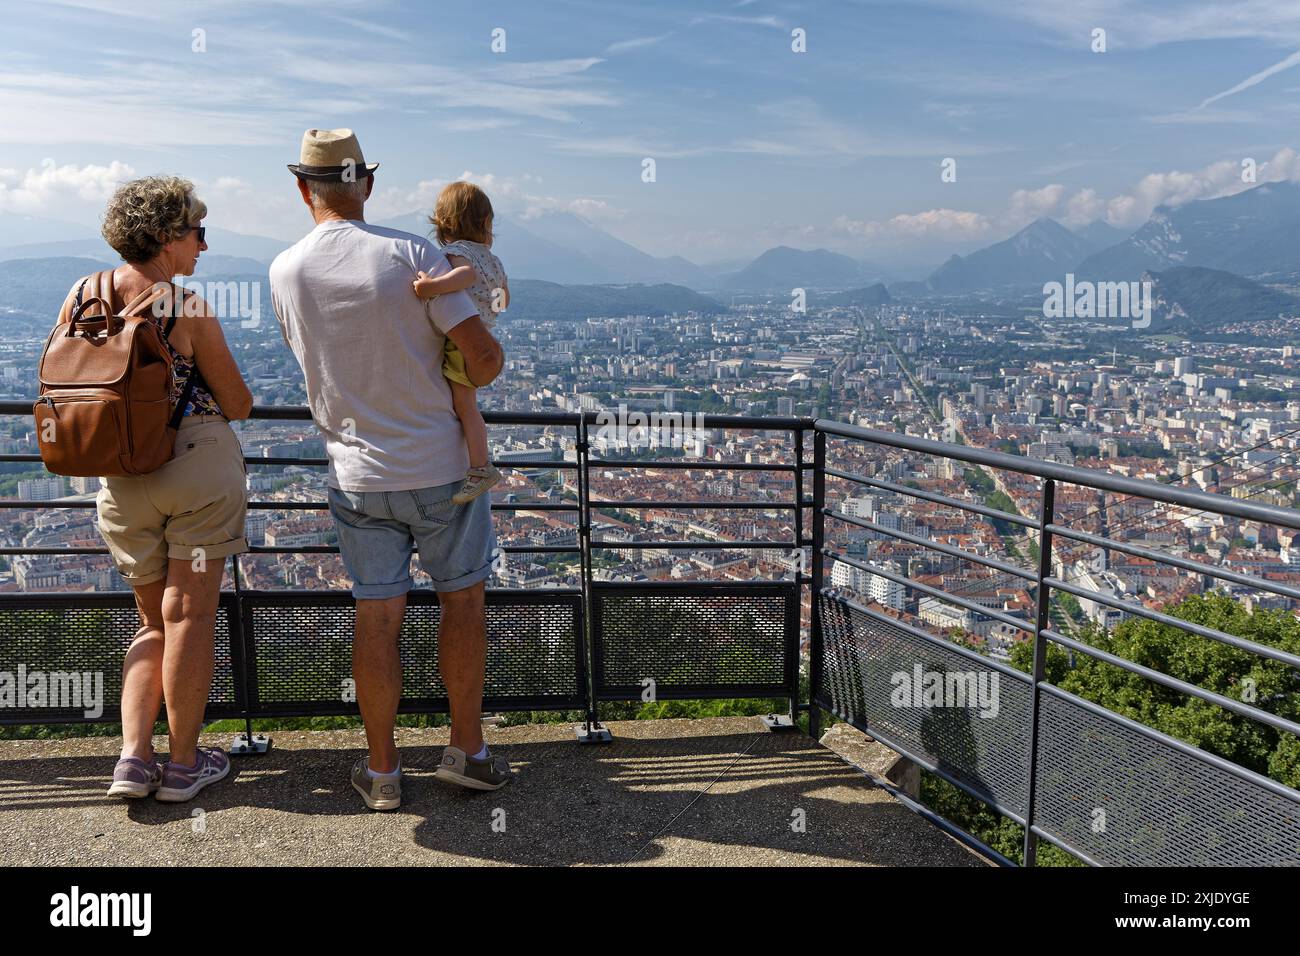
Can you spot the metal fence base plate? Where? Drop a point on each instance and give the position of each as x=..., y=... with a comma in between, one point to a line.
x=592, y=734
x=778, y=723
x=260, y=744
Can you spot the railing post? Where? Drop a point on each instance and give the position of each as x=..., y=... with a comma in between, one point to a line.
x=1041, y=621
x=818, y=542
x=799, y=565
x=247, y=742
x=590, y=731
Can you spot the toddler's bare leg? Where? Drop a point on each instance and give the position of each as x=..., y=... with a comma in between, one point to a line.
x=464, y=400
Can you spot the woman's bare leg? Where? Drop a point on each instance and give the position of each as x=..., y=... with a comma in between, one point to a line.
x=142, y=681
x=189, y=610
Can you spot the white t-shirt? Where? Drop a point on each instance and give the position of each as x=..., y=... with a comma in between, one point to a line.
x=371, y=354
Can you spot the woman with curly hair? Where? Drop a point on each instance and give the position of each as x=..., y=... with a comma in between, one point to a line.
x=170, y=531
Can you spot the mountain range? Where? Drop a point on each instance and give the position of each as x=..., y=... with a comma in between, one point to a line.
x=1251, y=233
x=1042, y=251
x=1193, y=300
x=1254, y=233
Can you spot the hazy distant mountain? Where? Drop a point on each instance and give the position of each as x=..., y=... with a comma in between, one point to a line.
x=88, y=248
x=871, y=295
x=524, y=254
x=220, y=242
x=1193, y=300
x=27, y=230
x=535, y=300
x=262, y=248
x=1255, y=233
x=614, y=255
x=1098, y=235
x=219, y=266
x=783, y=268
x=1042, y=251
x=37, y=287
x=564, y=248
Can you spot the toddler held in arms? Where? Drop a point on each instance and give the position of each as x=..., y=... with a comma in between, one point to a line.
x=462, y=220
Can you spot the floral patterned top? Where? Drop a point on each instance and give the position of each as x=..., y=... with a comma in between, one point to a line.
x=489, y=276
x=201, y=400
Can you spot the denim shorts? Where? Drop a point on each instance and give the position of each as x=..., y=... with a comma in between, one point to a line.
x=378, y=530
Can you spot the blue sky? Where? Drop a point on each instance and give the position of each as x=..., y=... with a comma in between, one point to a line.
x=755, y=145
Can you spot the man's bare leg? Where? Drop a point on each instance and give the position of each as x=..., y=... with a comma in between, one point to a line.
x=462, y=659
x=377, y=669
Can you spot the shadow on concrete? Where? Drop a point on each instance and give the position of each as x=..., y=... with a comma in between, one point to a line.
x=732, y=798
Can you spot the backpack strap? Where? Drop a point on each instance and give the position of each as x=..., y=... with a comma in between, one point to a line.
x=103, y=289
x=186, y=394
x=195, y=376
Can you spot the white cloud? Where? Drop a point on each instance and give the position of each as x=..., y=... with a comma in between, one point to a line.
x=1254, y=79
x=636, y=43
x=55, y=191
x=1026, y=205
x=517, y=196
x=953, y=225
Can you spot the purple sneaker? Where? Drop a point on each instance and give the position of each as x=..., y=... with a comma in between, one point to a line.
x=182, y=783
x=134, y=778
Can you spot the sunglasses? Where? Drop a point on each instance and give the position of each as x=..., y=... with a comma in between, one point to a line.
x=201, y=230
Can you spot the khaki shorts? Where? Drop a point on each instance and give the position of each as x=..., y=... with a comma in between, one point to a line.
x=192, y=507
x=453, y=365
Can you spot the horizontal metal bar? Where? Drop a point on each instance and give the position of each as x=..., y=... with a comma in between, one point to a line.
x=1227, y=766
x=921, y=810
x=1060, y=844
x=1138, y=610
x=690, y=465
x=936, y=498
x=1087, y=478
x=780, y=588
x=1158, y=557
x=287, y=462
x=333, y=549
x=538, y=463
x=925, y=764
x=697, y=505
x=724, y=545
x=936, y=593
x=975, y=657
x=23, y=503
x=701, y=420
x=38, y=551
x=942, y=548
x=1173, y=683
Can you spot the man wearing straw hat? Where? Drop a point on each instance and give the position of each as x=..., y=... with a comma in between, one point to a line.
x=371, y=355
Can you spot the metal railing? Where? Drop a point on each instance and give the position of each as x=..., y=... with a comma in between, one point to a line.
x=1101, y=786
x=1049, y=760
x=285, y=653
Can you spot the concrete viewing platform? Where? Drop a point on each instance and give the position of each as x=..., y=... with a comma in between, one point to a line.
x=718, y=792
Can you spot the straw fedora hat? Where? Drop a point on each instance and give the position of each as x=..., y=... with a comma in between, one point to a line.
x=328, y=154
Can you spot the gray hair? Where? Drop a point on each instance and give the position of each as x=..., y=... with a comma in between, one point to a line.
x=331, y=194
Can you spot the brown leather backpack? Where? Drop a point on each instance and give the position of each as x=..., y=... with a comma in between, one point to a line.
x=105, y=401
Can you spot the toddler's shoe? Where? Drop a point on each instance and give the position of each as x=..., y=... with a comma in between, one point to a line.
x=477, y=481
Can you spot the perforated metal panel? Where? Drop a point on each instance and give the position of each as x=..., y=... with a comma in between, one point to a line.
x=87, y=634
x=861, y=656
x=697, y=640
x=1128, y=800
x=303, y=655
